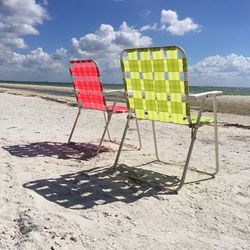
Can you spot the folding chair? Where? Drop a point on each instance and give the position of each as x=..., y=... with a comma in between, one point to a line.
x=90, y=95
x=156, y=84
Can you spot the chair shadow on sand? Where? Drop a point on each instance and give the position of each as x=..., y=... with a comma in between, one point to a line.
x=100, y=185
x=80, y=151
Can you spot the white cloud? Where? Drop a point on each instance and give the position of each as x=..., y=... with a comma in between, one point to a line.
x=15, y=42
x=149, y=27
x=230, y=70
x=171, y=23
x=60, y=54
x=105, y=45
x=19, y=18
x=106, y=39
x=148, y=13
x=34, y=66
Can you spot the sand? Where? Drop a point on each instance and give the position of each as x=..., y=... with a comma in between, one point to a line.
x=55, y=196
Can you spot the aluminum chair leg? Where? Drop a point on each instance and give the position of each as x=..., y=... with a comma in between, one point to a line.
x=193, y=137
x=105, y=118
x=215, y=142
x=137, y=127
x=72, y=131
x=184, y=173
x=138, y=133
x=216, y=136
x=104, y=132
x=155, y=142
x=122, y=141
x=194, y=133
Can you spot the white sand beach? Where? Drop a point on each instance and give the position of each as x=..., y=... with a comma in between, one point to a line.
x=59, y=196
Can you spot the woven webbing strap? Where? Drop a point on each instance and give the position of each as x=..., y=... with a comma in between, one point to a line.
x=156, y=83
x=86, y=81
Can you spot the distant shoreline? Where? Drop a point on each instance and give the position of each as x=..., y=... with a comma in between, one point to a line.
x=64, y=86
x=231, y=104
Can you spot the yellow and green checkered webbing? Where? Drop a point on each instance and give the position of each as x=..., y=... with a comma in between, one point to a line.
x=156, y=82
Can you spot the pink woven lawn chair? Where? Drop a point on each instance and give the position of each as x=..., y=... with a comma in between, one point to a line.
x=90, y=95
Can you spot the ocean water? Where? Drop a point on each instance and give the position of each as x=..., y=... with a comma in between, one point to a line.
x=192, y=89
x=199, y=89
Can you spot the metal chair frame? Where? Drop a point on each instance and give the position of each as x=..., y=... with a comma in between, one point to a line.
x=107, y=112
x=193, y=125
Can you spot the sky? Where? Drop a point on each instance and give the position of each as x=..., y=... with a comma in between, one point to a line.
x=38, y=38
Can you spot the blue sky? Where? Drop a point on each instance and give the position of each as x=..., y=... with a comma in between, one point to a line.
x=39, y=37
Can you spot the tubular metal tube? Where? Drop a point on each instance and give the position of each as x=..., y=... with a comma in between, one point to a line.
x=138, y=133
x=105, y=118
x=72, y=131
x=216, y=135
x=104, y=132
x=155, y=141
x=122, y=141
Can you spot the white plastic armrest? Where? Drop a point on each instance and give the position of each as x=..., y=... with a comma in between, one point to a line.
x=205, y=95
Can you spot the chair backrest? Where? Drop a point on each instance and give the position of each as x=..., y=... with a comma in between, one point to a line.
x=86, y=81
x=156, y=83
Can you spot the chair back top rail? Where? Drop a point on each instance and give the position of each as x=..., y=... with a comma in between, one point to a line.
x=156, y=83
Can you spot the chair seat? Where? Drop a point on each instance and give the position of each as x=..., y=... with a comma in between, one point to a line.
x=118, y=109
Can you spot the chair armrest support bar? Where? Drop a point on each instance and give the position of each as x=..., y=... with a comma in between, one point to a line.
x=117, y=93
x=114, y=91
x=205, y=95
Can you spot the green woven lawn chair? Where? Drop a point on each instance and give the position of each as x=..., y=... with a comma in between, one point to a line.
x=156, y=85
